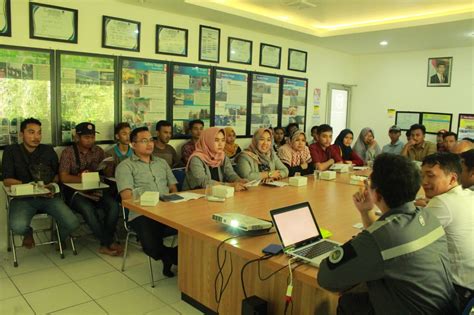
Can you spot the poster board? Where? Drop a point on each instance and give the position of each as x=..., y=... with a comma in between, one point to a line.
x=434, y=122
x=466, y=126
x=265, y=96
x=405, y=119
x=294, y=101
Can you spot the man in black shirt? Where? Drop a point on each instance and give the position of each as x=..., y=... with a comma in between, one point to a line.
x=28, y=162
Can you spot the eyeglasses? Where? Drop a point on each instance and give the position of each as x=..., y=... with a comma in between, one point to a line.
x=144, y=141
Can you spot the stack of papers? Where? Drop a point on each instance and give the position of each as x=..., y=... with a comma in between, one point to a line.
x=253, y=183
x=277, y=184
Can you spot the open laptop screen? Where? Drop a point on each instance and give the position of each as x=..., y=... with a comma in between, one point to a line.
x=295, y=225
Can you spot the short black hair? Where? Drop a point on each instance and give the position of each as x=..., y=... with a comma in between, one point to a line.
x=408, y=133
x=468, y=159
x=314, y=128
x=279, y=128
x=448, y=162
x=440, y=63
x=324, y=128
x=396, y=178
x=135, y=132
x=27, y=121
x=418, y=126
x=121, y=126
x=195, y=121
x=291, y=125
x=163, y=123
x=450, y=133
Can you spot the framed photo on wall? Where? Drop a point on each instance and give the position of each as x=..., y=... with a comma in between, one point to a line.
x=5, y=18
x=439, y=71
x=297, y=60
x=270, y=56
x=239, y=50
x=209, y=43
x=120, y=33
x=54, y=23
x=171, y=41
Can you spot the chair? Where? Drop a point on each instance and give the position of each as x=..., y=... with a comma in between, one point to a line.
x=180, y=174
x=129, y=231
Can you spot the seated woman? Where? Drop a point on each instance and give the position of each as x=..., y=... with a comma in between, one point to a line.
x=259, y=161
x=341, y=149
x=366, y=146
x=278, y=138
x=231, y=148
x=295, y=155
x=209, y=163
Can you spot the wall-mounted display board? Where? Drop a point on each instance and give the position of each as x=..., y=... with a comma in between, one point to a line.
x=466, y=126
x=54, y=23
x=231, y=100
x=405, y=119
x=5, y=18
x=86, y=93
x=265, y=96
x=191, y=98
x=434, y=122
x=25, y=91
x=294, y=101
x=143, y=91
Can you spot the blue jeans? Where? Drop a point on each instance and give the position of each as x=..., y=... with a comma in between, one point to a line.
x=101, y=216
x=22, y=210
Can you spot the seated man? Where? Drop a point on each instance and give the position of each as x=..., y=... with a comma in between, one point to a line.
x=164, y=131
x=121, y=150
x=467, y=175
x=146, y=172
x=195, y=128
x=28, y=162
x=99, y=208
x=320, y=151
x=401, y=256
x=454, y=208
x=449, y=141
x=396, y=145
x=418, y=148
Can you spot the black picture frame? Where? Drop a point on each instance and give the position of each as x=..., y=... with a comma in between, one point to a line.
x=432, y=79
x=8, y=16
x=201, y=27
x=397, y=120
x=229, y=50
x=290, y=50
x=73, y=40
x=106, y=18
x=432, y=131
x=462, y=136
x=262, y=46
x=157, y=40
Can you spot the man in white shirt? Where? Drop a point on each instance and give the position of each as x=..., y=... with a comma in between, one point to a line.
x=454, y=208
x=467, y=175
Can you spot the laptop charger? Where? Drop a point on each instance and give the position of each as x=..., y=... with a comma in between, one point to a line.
x=254, y=305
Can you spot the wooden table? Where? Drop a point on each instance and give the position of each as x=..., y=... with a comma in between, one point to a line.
x=199, y=237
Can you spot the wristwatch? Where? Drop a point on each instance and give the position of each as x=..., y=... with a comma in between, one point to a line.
x=270, y=174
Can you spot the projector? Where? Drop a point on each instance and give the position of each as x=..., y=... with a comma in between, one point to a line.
x=242, y=222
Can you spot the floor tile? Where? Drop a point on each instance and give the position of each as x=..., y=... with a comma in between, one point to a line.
x=28, y=261
x=56, y=298
x=89, y=308
x=141, y=273
x=185, y=308
x=15, y=306
x=164, y=311
x=135, y=301
x=83, y=253
x=7, y=289
x=166, y=290
x=87, y=268
x=3, y=274
x=38, y=280
x=106, y=284
x=135, y=257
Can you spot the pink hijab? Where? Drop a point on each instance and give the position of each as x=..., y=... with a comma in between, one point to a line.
x=205, y=148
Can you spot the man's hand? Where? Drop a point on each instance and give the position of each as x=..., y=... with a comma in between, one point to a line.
x=239, y=186
x=362, y=200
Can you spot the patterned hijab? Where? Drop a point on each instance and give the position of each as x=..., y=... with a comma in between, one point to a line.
x=290, y=155
x=254, y=153
x=230, y=149
x=205, y=148
x=346, y=150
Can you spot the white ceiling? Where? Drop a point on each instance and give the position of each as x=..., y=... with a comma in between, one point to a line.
x=417, y=33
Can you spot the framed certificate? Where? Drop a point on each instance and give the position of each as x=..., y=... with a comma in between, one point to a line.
x=171, y=40
x=5, y=18
x=209, y=43
x=53, y=23
x=297, y=60
x=239, y=50
x=120, y=33
x=270, y=56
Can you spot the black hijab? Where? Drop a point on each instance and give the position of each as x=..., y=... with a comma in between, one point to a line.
x=346, y=150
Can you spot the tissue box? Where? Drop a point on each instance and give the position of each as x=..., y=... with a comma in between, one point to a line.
x=328, y=175
x=222, y=191
x=298, y=181
x=341, y=168
x=22, y=189
x=149, y=198
x=90, y=180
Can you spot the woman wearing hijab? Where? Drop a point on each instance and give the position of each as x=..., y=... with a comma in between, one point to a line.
x=259, y=161
x=341, y=149
x=295, y=155
x=209, y=162
x=366, y=146
x=231, y=148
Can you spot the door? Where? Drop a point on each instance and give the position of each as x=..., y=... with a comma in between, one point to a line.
x=338, y=107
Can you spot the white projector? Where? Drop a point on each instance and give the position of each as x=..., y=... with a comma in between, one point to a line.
x=242, y=222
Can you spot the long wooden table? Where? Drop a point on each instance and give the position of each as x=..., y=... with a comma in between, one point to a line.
x=199, y=237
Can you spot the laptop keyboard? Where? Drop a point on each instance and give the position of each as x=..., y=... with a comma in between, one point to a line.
x=316, y=250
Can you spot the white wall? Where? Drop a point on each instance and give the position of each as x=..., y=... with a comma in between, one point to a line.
x=398, y=81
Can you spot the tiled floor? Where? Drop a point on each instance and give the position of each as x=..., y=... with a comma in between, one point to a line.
x=86, y=284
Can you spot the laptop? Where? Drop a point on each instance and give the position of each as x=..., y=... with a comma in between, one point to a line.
x=300, y=235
